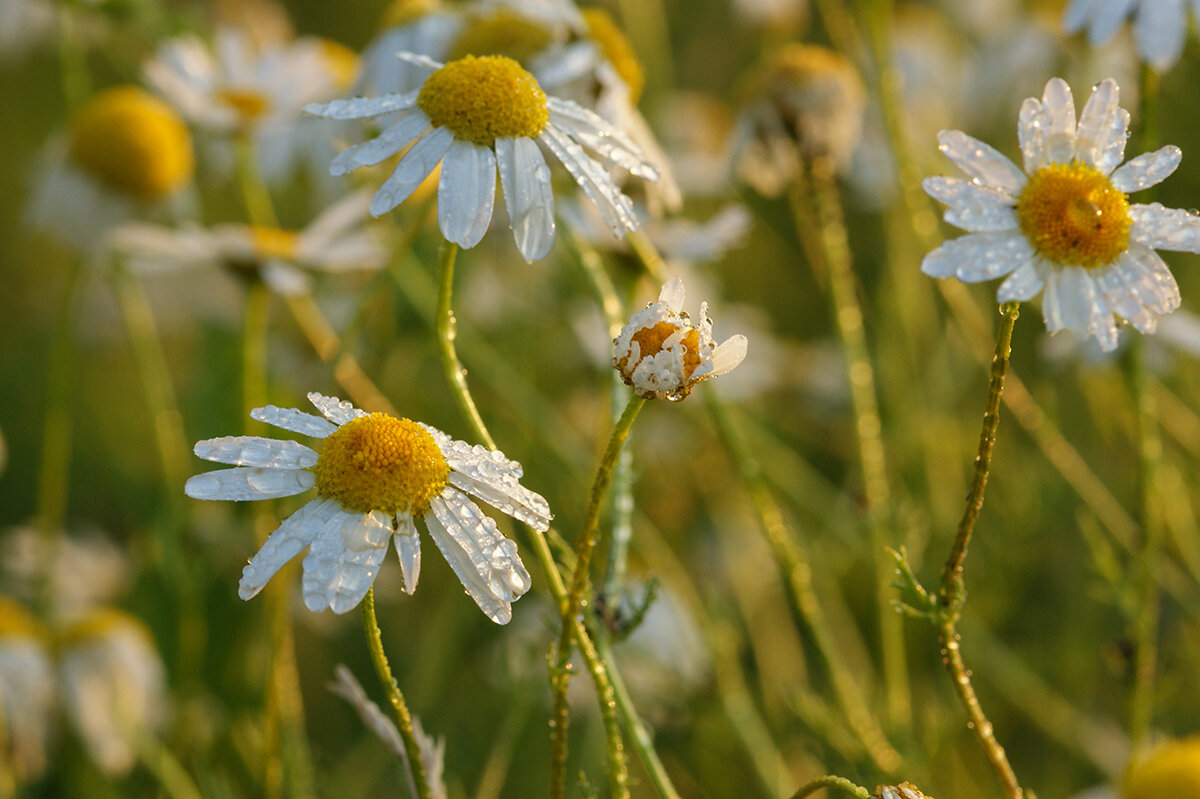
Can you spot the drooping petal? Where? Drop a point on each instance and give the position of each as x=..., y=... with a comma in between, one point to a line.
x=256, y=451
x=597, y=134
x=1116, y=284
x=1024, y=283
x=1095, y=123
x=615, y=208
x=296, y=421
x=1072, y=301
x=1159, y=29
x=525, y=180
x=359, y=107
x=246, y=483
x=392, y=140
x=978, y=256
x=1165, y=228
x=466, y=193
x=1150, y=279
x=1059, y=108
x=972, y=207
x=414, y=167
x=982, y=162
x=343, y=559
x=504, y=494
x=337, y=411
x=1148, y=169
x=289, y=540
x=408, y=549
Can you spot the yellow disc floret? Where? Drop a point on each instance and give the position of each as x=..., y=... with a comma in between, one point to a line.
x=1074, y=216
x=502, y=32
x=650, y=341
x=402, y=12
x=98, y=624
x=1172, y=771
x=16, y=621
x=272, y=242
x=248, y=104
x=484, y=99
x=615, y=46
x=379, y=462
x=132, y=142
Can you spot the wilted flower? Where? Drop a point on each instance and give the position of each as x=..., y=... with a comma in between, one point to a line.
x=374, y=474
x=663, y=355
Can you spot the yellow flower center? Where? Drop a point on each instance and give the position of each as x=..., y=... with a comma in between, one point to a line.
x=132, y=142
x=402, y=12
x=99, y=623
x=1074, y=216
x=615, y=46
x=272, y=242
x=341, y=61
x=650, y=342
x=248, y=104
x=502, y=32
x=16, y=621
x=379, y=462
x=484, y=99
x=1172, y=770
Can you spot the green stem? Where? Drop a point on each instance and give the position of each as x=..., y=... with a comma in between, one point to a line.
x=255, y=326
x=830, y=781
x=445, y=335
x=395, y=698
x=172, y=777
x=951, y=592
x=76, y=79
x=648, y=255
x=255, y=194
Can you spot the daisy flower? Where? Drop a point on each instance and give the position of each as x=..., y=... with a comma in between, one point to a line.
x=663, y=355
x=1065, y=224
x=1159, y=26
x=475, y=116
x=374, y=475
x=26, y=691
x=338, y=240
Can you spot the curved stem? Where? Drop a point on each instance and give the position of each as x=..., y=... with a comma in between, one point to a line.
x=445, y=336
x=830, y=781
x=951, y=592
x=404, y=722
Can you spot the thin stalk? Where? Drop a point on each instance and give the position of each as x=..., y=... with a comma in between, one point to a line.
x=383, y=670
x=830, y=781
x=951, y=591
x=575, y=605
x=255, y=195
x=172, y=777
x=255, y=326
x=446, y=333
x=648, y=255
x=76, y=79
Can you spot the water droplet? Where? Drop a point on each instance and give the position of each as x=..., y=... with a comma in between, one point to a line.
x=542, y=174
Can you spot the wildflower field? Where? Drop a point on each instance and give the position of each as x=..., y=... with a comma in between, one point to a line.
x=461, y=399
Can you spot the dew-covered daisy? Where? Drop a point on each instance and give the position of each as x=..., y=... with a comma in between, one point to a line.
x=476, y=116
x=1159, y=26
x=1065, y=224
x=338, y=240
x=374, y=475
x=905, y=790
x=663, y=355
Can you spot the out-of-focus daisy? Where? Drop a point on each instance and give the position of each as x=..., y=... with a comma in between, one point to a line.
x=1065, y=223
x=126, y=155
x=26, y=692
x=1170, y=768
x=663, y=355
x=475, y=116
x=70, y=573
x=338, y=240
x=1159, y=26
x=375, y=474
x=113, y=685
x=24, y=24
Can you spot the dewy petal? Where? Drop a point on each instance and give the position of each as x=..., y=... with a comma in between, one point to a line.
x=596, y=133
x=408, y=549
x=981, y=161
x=337, y=411
x=727, y=356
x=1159, y=29
x=359, y=107
x=288, y=541
x=1116, y=284
x=525, y=180
x=466, y=193
x=415, y=165
x=248, y=483
x=485, y=561
x=978, y=256
x=1114, y=150
x=1095, y=123
x=1072, y=301
x=1148, y=169
x=392, y=140
x=256, y=451
x=1059, y=134
x=506, y=495
x=1165, y=228
x=1031, y=123
x=296, y=421
x=972, y=207
x=673, y=294
x=1024, y=283
x=615, y=208
x=343, y=560
x=1150, y=279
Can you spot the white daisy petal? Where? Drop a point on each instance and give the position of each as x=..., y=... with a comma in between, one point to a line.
x=978, y=256
x=359, y=107
x=247, y=483
x=1165, y=228
x=294, y=420
x=408, y=549
x=673, y=294
x=525, y=180
x=972, y=207
x=256, y=451
x=414, y=167
x=506, y=495
x=1031, y=124
x=1073, y=302
x=1024, y=283
x=597, y=134
x=1106, y=17
x=1159, y=29
x=466, y=192
x=1116, y=284
x=980, y=161
x=1059, y=108
x=727, y=356
x=343, y=559
x=615, y=208
x=1150, y=279
x=289, y=540
x=337, y=411
x=1077, y=15
x=1114, y=150
x=1148, y=169
x=392, y=140
x=1095, y=123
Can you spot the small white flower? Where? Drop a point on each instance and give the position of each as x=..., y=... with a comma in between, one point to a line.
x=1159, y=26
x=26, y=691
x=663, y=355
x=375, y=474
x=1064, y=224
x=336, y=241
x=477, y=116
